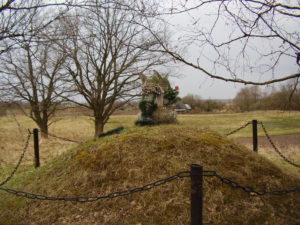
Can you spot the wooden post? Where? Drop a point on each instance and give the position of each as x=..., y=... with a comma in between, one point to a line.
x=254, y=135
x=36, y=148
x=196, y=194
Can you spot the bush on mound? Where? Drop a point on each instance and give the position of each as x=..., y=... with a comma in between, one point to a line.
x=139, y=156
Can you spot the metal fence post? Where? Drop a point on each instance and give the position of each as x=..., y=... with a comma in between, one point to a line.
x=254, y=135
x=36, y=148
x=196, y=194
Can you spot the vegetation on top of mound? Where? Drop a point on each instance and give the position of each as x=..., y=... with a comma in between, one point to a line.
x=139, y=156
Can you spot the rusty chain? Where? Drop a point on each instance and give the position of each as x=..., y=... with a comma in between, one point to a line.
x=275, y=148
x=111, y=195
x=19, y=162
x=238, y=129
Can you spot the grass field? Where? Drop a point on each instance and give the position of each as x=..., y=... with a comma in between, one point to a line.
x=139, y=156
x=14, y=130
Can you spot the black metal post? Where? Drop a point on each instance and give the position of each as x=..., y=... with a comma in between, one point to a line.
x=36, y=147
x=254, y=134
x=196, y=194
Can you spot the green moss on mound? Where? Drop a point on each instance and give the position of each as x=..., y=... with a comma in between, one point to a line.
x=139, y=156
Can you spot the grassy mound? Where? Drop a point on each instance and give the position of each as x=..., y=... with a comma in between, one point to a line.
x=139, y=156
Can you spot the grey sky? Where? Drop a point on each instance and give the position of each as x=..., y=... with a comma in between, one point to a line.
x=193, y=81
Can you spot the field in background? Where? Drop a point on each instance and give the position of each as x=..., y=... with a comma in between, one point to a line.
x=13, y=132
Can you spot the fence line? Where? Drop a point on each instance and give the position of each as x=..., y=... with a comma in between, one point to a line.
x=238, y=129
x=19, y=162
x=254, y=123
x=157, y=183
x=181, y=174
x=110, y=132
x=196, y=174
x=275, y=148
x=36, y=148
x=61, y=138
x=119, y=129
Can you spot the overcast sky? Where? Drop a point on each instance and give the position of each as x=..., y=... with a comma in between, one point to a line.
x=193, y=81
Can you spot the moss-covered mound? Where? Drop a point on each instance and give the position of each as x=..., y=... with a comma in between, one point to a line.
x=139, y=156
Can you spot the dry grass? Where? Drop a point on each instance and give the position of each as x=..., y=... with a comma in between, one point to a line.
x=81, y=128
x=75, y=128
x=138, y=156
x=291, y=152
x=277, y=122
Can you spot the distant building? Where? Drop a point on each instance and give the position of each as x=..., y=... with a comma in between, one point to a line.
x=181, y=107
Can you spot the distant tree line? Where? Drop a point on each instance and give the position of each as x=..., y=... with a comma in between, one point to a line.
x=200, y=105
x=286, y=97
x=90, y=53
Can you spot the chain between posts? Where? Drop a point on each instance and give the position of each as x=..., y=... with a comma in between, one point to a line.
x=182, y=174
x=238, y=129
x=62, y=138
x=275, y=148
x=251, y=190
x=110, y=132
x=20, y=160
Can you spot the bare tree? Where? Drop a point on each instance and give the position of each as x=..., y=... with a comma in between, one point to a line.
x=23, y=19
x=237, y=39
x=107, y=50
x=286, y=98
x=247, y=98
x=33, y=73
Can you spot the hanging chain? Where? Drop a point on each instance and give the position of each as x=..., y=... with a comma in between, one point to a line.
x=61, y=138
x=275, y=148
x=110, y=132
x=238, y=129
x=182, y=174
x=19, y=162
x=251, y=190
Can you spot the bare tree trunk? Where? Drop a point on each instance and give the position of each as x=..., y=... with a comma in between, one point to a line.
x=99, y=126
x=43, y=126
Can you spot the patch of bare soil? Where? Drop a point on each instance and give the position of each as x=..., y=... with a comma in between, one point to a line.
x=281, y=141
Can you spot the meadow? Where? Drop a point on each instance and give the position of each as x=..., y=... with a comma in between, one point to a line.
x=138, y=156
x=14, y=130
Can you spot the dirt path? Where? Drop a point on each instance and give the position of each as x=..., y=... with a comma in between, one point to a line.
x=280, y=141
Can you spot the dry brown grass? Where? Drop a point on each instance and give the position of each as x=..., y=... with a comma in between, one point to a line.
x=80, y=128
x=138, y=156
x=291, y=152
